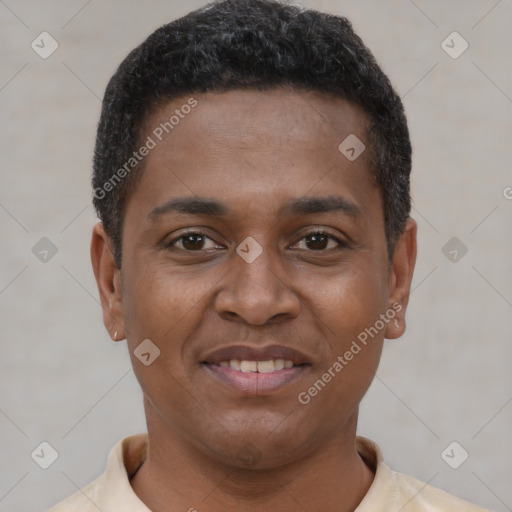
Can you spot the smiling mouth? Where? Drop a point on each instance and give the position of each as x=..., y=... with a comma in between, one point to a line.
x=255, y=370
x=268, y=366
x=256, y=377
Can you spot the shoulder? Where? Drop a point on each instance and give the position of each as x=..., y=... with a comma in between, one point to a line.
x=112, y=490
x=418, y=496
x=81, y=501
x=395, y=491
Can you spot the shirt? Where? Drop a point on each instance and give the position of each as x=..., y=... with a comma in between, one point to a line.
x=389, y=492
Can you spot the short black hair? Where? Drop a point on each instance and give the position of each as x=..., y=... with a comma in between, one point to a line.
x=249, y=44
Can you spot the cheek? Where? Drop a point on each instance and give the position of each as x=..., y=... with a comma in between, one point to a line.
x=165, y=306
x=352, y=301
x=350, y=310
x=149, y=305
x=155, y=298
x=161, y=309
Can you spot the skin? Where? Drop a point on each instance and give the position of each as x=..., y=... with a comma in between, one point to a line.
x=214, y=447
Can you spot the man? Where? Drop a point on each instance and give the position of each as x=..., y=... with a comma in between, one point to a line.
x=255, y=248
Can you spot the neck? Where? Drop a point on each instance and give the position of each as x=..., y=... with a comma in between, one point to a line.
x=332, y=478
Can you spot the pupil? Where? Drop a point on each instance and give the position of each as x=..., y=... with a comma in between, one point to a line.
x=193, y=241
x=316, y=241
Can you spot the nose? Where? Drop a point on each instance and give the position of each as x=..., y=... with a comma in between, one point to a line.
x=257, y=293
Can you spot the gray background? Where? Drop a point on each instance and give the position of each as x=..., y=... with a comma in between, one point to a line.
x=448, y=379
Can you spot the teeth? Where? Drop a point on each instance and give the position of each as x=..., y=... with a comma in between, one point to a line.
x=249, y=366
x=235, y=364
x=279, y=364
x=266, y=366
x=257, y=366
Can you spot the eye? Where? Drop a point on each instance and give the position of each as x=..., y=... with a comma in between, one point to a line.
x=319, y=241
x=193, y=241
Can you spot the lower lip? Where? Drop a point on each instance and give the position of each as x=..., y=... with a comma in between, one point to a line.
x=253, y=382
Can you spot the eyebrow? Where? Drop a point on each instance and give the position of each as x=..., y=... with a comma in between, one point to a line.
x=190, y=206
x=213, y=208
x=309, y=205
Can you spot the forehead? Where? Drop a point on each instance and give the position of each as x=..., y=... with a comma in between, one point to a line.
x=242, y=119
x=248, y=145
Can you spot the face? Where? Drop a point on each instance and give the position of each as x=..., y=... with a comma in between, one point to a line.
x=254, y=258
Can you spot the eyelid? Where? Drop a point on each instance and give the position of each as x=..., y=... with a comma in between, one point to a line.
x=320, y=230
x=177, y=238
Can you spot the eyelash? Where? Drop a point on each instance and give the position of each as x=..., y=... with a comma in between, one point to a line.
x=341, y=243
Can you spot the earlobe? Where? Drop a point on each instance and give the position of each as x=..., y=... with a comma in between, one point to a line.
x=402, y=270
x=116, y=334
x=108, y=280
x=396, y=327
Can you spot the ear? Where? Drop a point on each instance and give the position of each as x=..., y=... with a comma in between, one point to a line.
x=108, y=279
x=402, y=269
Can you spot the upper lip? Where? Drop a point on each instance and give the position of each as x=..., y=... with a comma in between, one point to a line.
x=248, y=353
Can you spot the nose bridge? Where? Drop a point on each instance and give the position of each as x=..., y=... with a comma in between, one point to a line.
x=256, y=288
x=257, y=274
